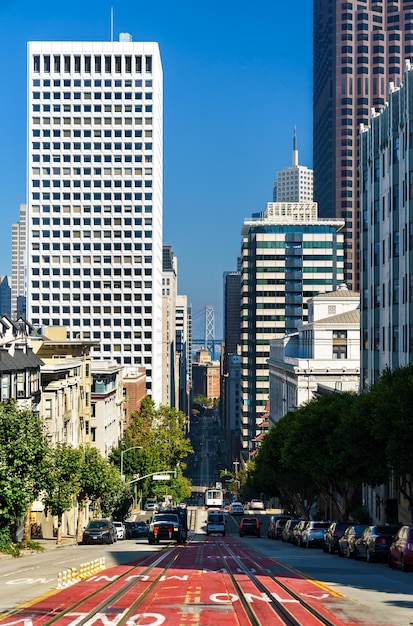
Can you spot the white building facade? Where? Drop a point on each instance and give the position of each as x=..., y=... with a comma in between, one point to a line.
x=323, y=356
x=295, y=182
x=94, y=197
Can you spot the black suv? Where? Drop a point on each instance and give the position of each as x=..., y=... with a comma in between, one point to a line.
x=99, y=531
x=249, y=526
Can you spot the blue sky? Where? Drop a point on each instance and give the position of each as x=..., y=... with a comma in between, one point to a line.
x=237, y=79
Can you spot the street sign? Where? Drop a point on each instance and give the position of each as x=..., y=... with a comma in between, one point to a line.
x=161, y=477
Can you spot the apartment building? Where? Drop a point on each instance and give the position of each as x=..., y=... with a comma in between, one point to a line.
x=94, y=197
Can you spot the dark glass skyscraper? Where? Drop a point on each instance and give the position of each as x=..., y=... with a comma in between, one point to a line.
x=359, y=48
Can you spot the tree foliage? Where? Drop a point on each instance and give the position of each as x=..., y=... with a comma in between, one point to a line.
x=23, y=462
x=155, y=442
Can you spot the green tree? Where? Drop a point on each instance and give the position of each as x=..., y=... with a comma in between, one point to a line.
x=23, y=454
x=326, y=440
x=392, y=425
x=160, y=435
x=97, y=479
x=63, y=481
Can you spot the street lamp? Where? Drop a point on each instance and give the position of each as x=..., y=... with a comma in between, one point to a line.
x=121, y=458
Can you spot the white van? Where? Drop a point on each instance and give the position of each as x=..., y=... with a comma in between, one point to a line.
x=215, y=523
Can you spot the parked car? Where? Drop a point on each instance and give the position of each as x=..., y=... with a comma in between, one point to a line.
x=166, y=526
x=333, y=534
x=136, y=530
x=346, y=543
x=256, y=505
x=120, y=530
x=313, y=534
x=99, y=531
x=297, y=530
x=276, y=526
x=236, y=508
x=250, y=526
x=374, y=543
x=401, y=549
x=287, y=532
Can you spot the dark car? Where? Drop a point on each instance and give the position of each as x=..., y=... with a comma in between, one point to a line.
x=346, y=543
x=166, y=526
x=313, y=534
x=297, y=530
x=333, y=534
x=287, y=532
x=374, y=543
x=276, y=526
x=250, y=526
x=401, y=549
x=135, y=530
x=99, y=531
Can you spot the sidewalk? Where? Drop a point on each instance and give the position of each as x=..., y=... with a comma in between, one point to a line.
x=47, y=544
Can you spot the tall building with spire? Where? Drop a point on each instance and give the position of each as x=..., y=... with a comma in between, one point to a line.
x=295, y=182
x=94, y=197
x=359, y=48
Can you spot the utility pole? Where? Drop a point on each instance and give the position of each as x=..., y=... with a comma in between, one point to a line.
x=235, y=464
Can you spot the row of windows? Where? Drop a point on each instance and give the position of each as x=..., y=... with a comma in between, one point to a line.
x=97, y=95
x=87, y=108
x=107, y=285
x=88, y=83
x=87, y=234
x=67, y=63
x=56, y=183
x=111, y=297
x=97, y=208
x=87, y=197
x=47, y=133
x=87, y=158
x=95, y=171
x=77, y=145
x=86, y=271
x=87, y=221
x=97, y=247
x=87, y=121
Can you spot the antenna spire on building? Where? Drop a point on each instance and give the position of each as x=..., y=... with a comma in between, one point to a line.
x=295, y=149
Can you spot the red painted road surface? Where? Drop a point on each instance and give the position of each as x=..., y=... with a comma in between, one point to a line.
x=215, y=581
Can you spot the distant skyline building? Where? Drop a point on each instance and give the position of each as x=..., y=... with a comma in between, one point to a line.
x=18, y=264
x=5, y=296
x=359, y=48
x=94, y=193
x=170, y=359
x=288, y=256
x=295, y=182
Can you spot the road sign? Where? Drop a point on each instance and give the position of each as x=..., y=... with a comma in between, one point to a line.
x=161, y=477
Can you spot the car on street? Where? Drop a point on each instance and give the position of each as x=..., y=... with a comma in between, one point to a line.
x=333, y=534
x=375, y=541
x=276, y=526
x=120, y=530
x=151, y=504
x=136, y=530
x=250, y=526
x=346, y=543
x=297, y=530
x=287, y=531
x=215, y=523
x=167, y=526
x=256, y=505
x=99, y=531
x=401, y=549
x=313, y=534
x=236, y=508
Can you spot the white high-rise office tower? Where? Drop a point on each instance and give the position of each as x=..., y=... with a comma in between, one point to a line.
x=95, y=197
x=18, y=263
x=295, y=182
